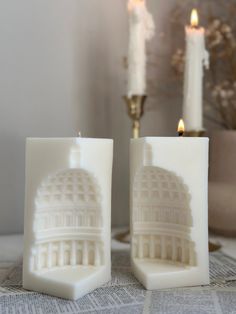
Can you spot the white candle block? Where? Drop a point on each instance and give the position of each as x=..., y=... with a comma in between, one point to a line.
x=67, y=215
x=169, y=214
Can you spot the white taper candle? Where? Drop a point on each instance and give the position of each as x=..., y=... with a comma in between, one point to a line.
x=141, y=28
x=196, y=57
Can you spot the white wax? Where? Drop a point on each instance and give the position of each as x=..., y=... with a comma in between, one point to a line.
x=67, y=215
x=141, y=28
x=169, y=213
x=196, y=57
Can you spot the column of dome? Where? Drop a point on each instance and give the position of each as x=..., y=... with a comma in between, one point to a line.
x=163, y=247
x=52, y=254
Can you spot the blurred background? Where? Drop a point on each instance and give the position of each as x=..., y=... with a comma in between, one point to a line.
x=63, y=70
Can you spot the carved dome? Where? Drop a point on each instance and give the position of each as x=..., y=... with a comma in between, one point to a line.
x=67, y=188
x=68, y=221
x=160, y=195
x=70, y=198
x=154, y=183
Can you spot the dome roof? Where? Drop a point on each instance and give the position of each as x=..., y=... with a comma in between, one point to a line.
x=156, y=185
x=67, y=188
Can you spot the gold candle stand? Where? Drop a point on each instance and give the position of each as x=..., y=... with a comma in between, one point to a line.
x=194, y=133
x=135, y=108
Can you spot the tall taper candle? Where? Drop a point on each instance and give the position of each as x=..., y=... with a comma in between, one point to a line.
x=196, y=57
x=141, y=28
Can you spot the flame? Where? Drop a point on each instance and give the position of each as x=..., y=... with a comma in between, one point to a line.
x=194, y=18
x=133, y=3
x=181, y=127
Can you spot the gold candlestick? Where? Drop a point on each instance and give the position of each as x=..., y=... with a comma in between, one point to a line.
x=135, y=108
x=194, y=133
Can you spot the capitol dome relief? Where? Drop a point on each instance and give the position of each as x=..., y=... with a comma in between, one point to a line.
x=161, y=216
x=68, y=221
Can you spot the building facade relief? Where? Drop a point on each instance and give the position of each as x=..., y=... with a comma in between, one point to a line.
x=68, y=222
x=161, y=215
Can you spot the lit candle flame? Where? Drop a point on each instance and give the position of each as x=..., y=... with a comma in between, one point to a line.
x=194, y=18
x=181, y=128
x=133, y=3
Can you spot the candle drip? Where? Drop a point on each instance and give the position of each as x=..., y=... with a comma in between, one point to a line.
x=205, y=60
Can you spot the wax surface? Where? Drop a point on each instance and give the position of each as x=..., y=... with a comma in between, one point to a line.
x=67, y=215
x=169, y=213
x=141, y=29
x=196, y=58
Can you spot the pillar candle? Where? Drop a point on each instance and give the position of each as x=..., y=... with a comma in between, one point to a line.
x=169, y=214
x=141, y=28
x=67, y=215
x=196, y=57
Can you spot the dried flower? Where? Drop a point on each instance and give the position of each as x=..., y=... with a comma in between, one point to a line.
x=225, y=96
x=177, y=61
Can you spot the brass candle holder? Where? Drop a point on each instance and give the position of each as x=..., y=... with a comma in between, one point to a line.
x=135, y=108
x=194, y=133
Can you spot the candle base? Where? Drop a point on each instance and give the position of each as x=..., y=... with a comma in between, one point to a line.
x=135, y=108
x=194, y=133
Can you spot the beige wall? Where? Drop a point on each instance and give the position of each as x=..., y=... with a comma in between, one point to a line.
x=61, y=71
